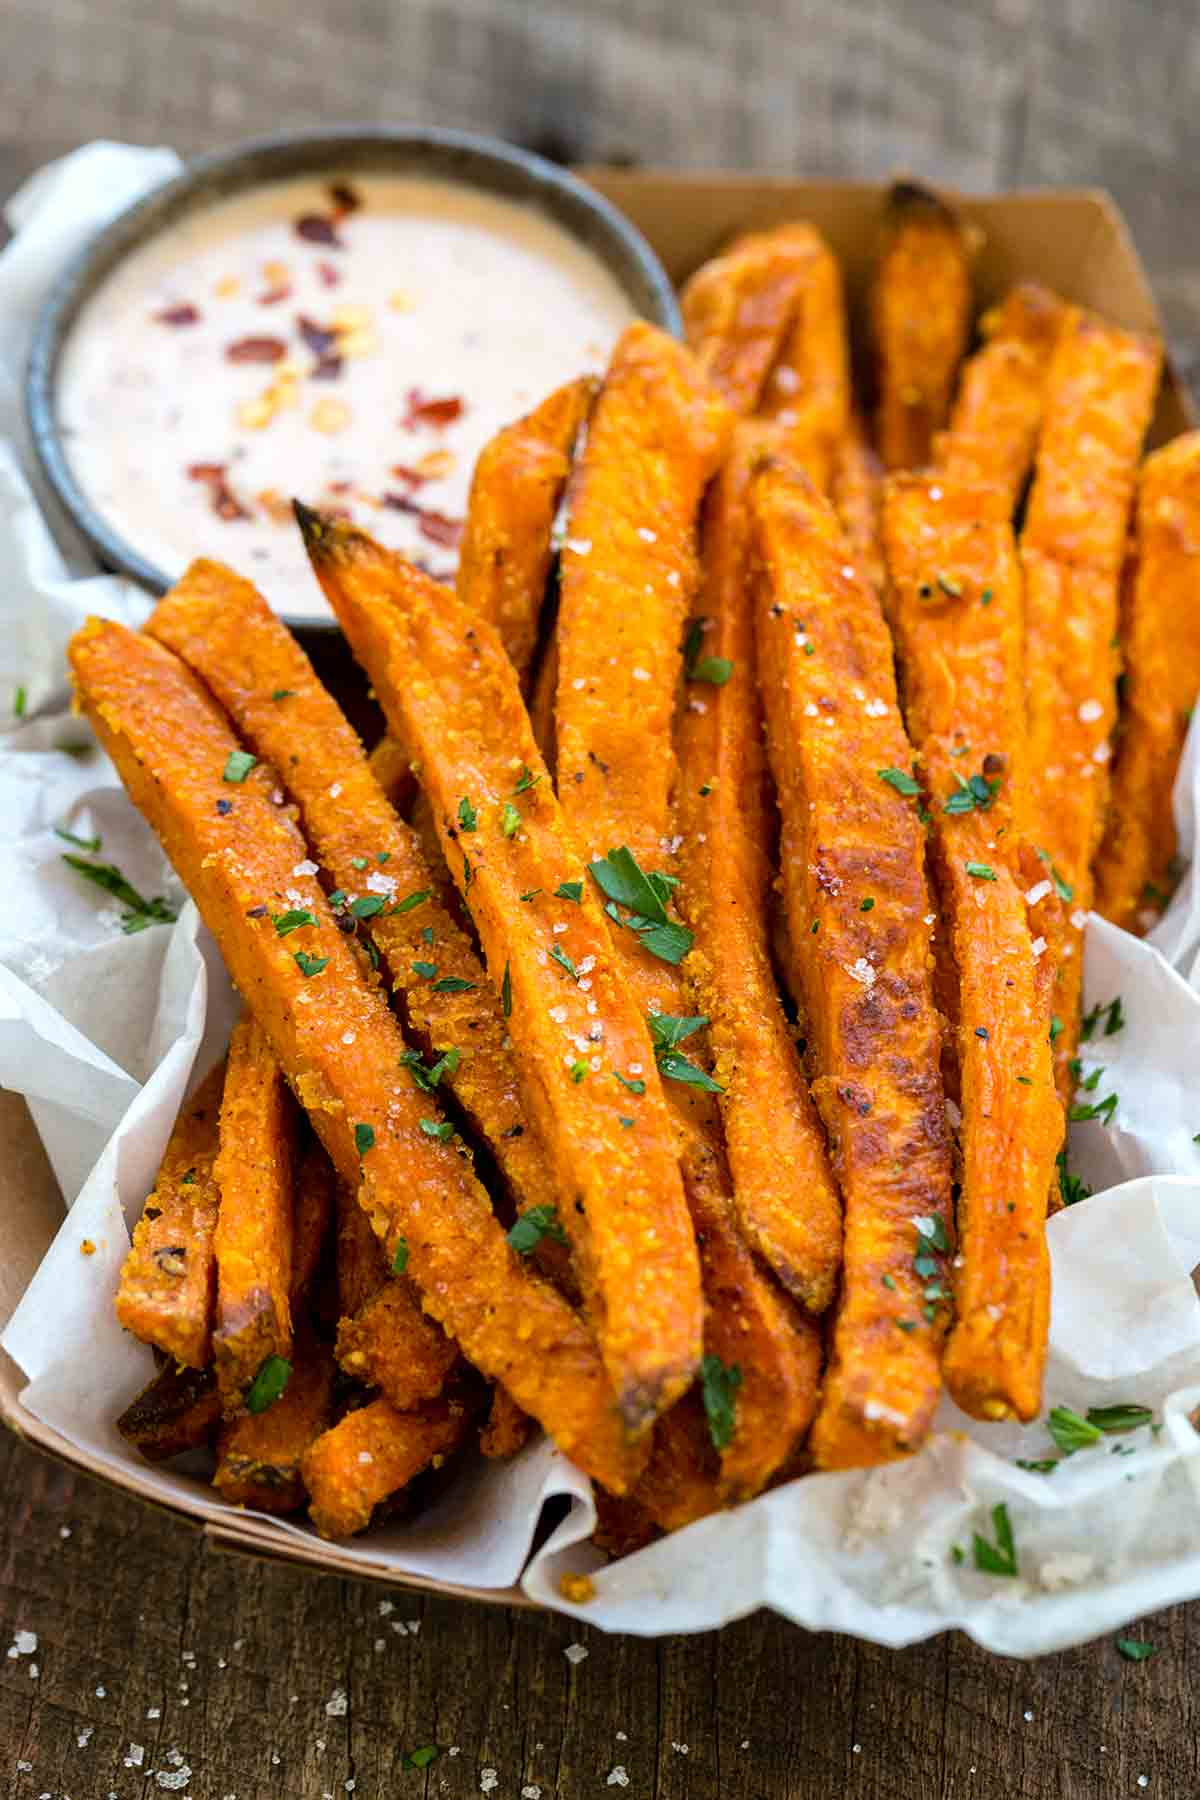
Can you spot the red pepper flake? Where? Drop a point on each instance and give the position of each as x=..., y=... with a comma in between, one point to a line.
x=315, y=228
x=438, y=527
x=435, y=413
x=184, y=314
x=225, y=502
x=344, y=198
x=274, y=295
x=256, y=350
x=330, y=277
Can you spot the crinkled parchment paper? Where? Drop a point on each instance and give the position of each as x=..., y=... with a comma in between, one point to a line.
x=102, y=1032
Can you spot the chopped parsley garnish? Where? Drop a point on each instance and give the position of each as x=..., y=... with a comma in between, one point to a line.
x=384, y=856
x=1070, y=1432
x=931, y=1229
x=309, y=965
x=903, y=783
x=985, y=599
x=569, y=890
x=531, y=894
x=533, y=1226
x=358, y=862
x=1102, y=1110
x=975, y=793
x=284, y=694
x=366, y=906
x=950, y=586
x=715, y=670
x=866, y=905
x=400, y=1259
x=1044, y=1465
x=999, y=1558
x=1056, y=1028
x=268, y=1385
x=1070, y=1186
x=627, y=1124
x=426, y=970
x=141, y=912
x=506, y=992
x=1062, y=888
x=644, y=895
x=287, y=922
x=441, y=1129
x=579, y=1069
x=667, y=1031
x=981, y=871
x=888, y=1282
x=427, y=1079
x=1135, y=1649
x=719, y=1383
x=422, y=1756
x=526, y=780
x=1112, y=1014
x=91, y=845
x=468, y=872
x=468, y=818
x=1119, y=1418
x=560, y=956
x=958, y=1555
x=20, y=700
x=510, y=819
x=635, y=1087
x=238, y=765
x=410, y=901
x=364, y=1138
x=453, y=984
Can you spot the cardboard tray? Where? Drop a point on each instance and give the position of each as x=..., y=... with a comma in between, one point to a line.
x=1074, y=241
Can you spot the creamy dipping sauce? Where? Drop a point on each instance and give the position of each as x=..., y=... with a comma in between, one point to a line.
x=353, y=343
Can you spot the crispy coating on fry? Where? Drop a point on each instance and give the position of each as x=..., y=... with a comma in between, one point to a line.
x=446, y=684
x=786, y=1199
x=390, y=767
x=168, y=1280
x=224, y=630
x=259, y=1454
x=848, y=836
x=1001, y=398
x=506, y=1430
x=921, y=318
x=505, y=559
x=623, y=1526
x=857, y=494
x=254, y=1172
x=657, y=434
x=1100, y=396
x=370, y=1455
x=807, y=394
x=179, y=1410
x=739, y=306
x=389, y=1346
x=361, y=1264
x=312, y=1216
x=957, y=616
x=171, y=746
x=682, y=1481
x=1160, y=645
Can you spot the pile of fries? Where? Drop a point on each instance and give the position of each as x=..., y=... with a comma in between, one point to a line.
x=664, y=1036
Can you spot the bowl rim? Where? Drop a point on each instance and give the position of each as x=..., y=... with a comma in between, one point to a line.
x=472, y=159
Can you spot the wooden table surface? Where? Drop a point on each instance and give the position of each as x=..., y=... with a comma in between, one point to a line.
x=156, y=1655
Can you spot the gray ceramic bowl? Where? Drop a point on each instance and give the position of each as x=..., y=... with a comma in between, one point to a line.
x=478, y=162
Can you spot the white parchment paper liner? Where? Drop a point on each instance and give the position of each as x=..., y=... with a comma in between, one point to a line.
x=103, y=1033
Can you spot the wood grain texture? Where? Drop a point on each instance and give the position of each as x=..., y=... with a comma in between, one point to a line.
x=242, y=1658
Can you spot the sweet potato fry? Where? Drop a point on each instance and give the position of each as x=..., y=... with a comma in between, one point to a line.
x=921, y=318
x=957, y=618
x=541, y=707
x=807, y=394
x=312, y=1217
x=786, y=1199
x=389, y=1346
x=448, y=688
x=172, y=749
x=259, y=1453
x=1160, y=643
x=504, y=563
x=1001, y=399
x=254, y=1174
x=224, y=630
x=1099, y=399
x=857, y=493
x=371, y=1454
x=682, y=1481
x=179, y=1410
x=361, y=1264
x=391, y=769
x=853, y=865
x=507, y=1428
x=168, y=1280
x=738, y=308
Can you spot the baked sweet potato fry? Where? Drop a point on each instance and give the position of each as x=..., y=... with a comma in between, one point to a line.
x=179, y=1410
x=857, y=494
x=389, y=1346
x=390, y=767
x=168, y=1280
x=807, y=394
x=1099, y=399
x=785, y=1195
x=921, y=319
x=739, y=307
x=957, y=619
x=853, y=866
x=223, y=629
x=371, y=1454
x=507, y=1428
x=172, y=747
x=254, y=1173
x=448, y=688
x=1001, y=398
x=312, y=1217
x=1160, y=646
x=361, y=1264
x=506, y=554
x=259, y=1453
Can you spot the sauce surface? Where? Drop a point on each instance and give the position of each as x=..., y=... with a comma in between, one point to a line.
x=353, y=343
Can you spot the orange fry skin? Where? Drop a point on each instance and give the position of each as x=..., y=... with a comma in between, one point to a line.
x=506, y=1430
x=1100, y=397
x=389, y=1346
x=315, y=1203
x=786, y=1198
x=223, y=628
x=1160, y=645
x=179, y=1410
x=361, y=1264
x=1001, y=398
x=370, y=1455
x=259, y=1454
x=832, y=724
x=807, y=394
x=171, y=745
x=505, y=558
x=657, y=435
x=738, y=307
x=254, y=1173
x=391, y=769
x=961, y=662
x=446, y=685
x=168, y=1280
x=921, y=319
x=857, y=493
